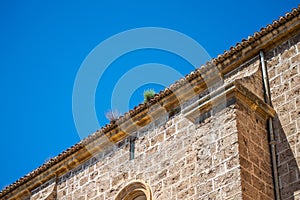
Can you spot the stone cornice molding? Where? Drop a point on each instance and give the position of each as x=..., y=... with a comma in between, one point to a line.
x=228, y=94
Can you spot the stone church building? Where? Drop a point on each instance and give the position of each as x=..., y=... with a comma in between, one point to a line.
x=228, y=130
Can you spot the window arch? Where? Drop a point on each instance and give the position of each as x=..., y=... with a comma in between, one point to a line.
x=136, y=190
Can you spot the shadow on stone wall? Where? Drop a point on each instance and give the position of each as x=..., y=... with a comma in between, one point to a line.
x=288, y=169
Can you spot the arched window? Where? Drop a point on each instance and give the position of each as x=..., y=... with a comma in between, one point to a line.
x=135, y=190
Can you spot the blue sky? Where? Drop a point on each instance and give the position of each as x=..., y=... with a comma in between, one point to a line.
x=43, y=44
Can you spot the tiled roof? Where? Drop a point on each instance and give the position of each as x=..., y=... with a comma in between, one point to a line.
x=294, y=14
x=257, y=35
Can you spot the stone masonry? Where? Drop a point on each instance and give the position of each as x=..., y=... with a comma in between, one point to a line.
x=284, y=73
x=205, y=137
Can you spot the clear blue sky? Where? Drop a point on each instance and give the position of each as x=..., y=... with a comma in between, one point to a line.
x=43, y=44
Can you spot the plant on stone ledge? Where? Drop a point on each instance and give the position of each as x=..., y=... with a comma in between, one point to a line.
x=112, y=115
x=148, y=95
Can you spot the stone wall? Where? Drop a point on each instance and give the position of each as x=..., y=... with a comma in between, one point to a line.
x=224, y=155
x=255, y=159
x=284, y=74
x=178, y=160
x=216, y=147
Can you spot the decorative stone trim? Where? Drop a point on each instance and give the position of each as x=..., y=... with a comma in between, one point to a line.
x=227, y=94
x=134, y=190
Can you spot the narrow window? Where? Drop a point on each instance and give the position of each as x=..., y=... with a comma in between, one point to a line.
x=131, y=148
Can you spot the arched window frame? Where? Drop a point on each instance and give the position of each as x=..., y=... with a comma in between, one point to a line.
x=133, y=190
